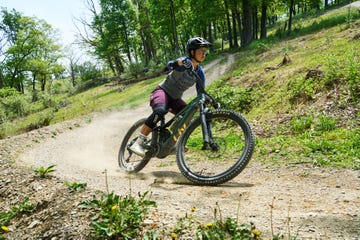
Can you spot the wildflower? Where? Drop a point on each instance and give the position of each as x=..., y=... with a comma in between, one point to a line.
x=174, y=235
x=209, y=225
x=5, y=228
x=255, y=232
x=193, y=209
x=113, y=208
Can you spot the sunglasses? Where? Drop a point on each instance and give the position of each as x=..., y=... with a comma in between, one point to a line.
x=204, y=51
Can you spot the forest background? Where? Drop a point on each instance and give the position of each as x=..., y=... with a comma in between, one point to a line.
x=126, y=39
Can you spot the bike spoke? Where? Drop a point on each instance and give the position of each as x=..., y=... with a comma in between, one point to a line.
x=220, y=160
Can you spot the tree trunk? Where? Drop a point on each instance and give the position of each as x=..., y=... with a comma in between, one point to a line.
x=43, y=83
x=255, y=23
x=263, y=21
x=228, y=24
x=118, y=65
x=210, y=38
x=239, y=22
x=291, y=10
x=1, y=80
x=33, y=83
x=174, y=31
x=247, y=33
x=236, y=44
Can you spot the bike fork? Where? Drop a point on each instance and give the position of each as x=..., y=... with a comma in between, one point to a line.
x=206, y=130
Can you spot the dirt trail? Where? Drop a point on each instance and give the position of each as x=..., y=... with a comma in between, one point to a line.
x=322, y=204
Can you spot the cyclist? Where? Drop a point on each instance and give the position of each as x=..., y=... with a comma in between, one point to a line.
x=167, y=95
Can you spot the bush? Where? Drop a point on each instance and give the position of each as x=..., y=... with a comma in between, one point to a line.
x=43, y=119
x=234, y=98
x=13, y=104
x=135, y=69
x=302, y=90
x=344, y=70
x=7, y=92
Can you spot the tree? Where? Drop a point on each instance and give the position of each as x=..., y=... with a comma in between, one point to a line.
x=264, y=6
x=93, y=37
x=247, y=33
x=145, y=30
x=291, y=12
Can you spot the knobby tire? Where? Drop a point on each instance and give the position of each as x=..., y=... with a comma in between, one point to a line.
x=128, y=161
x=235, y=140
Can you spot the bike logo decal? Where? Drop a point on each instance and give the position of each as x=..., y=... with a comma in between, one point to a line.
x=180, y=131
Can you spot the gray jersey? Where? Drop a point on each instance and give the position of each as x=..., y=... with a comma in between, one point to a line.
x=177, y=82
x=179, y=79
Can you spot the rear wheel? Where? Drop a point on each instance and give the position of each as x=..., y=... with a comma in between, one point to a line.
x=224, y=157
x=128, y=160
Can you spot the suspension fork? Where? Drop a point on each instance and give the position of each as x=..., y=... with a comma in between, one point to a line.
x=205, y=127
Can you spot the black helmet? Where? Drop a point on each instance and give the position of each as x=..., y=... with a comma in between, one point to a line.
x=196, y=43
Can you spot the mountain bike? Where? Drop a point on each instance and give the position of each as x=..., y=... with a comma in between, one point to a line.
x=212, y=147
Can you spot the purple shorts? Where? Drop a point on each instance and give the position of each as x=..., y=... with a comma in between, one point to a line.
x=160, y=97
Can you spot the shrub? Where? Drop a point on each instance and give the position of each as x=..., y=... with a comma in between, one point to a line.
x=135, y=69
x=301, y=89
x=237, y=99
x=344, y=69
x=6, y=92
x=43, y=119
x=14, y=104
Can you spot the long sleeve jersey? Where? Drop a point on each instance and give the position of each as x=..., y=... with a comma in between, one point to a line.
x=179, y=79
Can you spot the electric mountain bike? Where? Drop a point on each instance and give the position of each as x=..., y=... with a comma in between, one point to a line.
x=212, y=147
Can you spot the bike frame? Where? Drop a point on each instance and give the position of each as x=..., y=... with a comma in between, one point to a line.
x=163, y=147
x=177, y=125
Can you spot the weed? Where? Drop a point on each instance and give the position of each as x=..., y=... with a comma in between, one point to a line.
x=7, y=216
x=325, y=124
x=72, y=187
x=228, y=229
x=300, y=124
x=118, y=217
x=43, y=172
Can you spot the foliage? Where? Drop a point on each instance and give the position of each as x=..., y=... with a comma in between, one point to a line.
x=13, y=104
x=228, y=229
x=44, y=172
x=73, y=187
x=235, y=98
x=336, y=148
x=118, y=217
x=136, y=69
x=7, y=216
x=345, y=69
x=31, y=48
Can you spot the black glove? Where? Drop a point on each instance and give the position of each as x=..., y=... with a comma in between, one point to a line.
x=188, y=64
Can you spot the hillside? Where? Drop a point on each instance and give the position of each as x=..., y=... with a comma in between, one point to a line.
x=303, y=180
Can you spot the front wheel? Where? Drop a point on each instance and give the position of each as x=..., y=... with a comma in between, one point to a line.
x=128, y=160
x=229, y=151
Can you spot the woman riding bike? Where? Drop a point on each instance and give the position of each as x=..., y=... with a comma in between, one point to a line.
x=167, y=95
